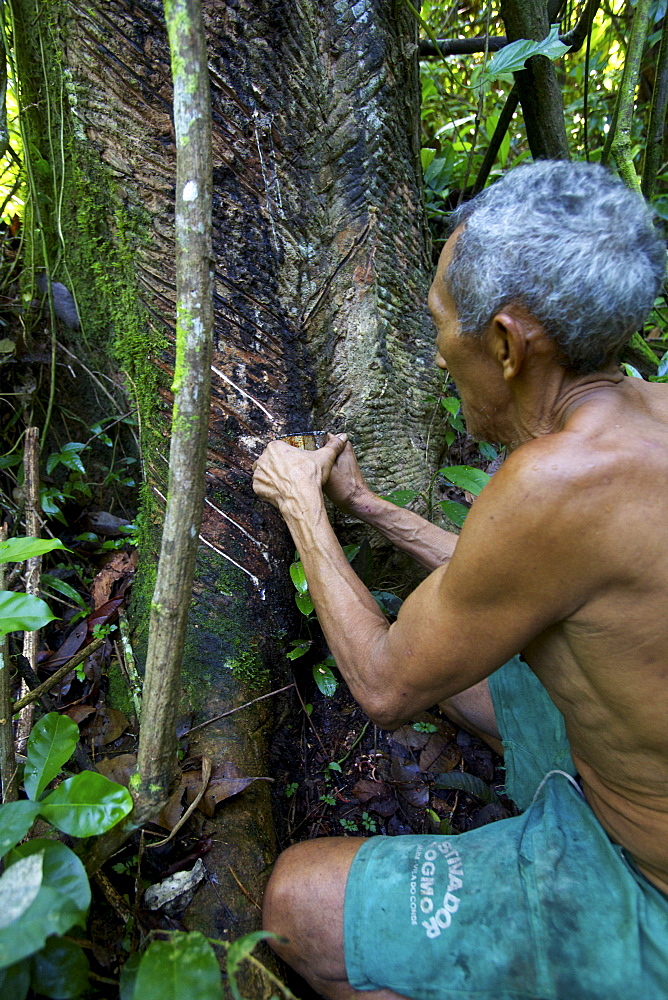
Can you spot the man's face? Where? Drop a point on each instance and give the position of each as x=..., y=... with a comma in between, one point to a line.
x=477, y=376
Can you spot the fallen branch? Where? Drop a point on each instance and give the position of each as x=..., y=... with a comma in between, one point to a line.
x=78, y=658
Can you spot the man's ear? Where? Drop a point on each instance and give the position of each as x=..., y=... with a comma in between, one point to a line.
x=508, y=341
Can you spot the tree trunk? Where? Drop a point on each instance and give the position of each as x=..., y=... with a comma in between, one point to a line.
x=540, y=94
x=321, y=273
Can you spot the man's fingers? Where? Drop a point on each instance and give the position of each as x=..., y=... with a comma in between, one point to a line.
x=337, y=443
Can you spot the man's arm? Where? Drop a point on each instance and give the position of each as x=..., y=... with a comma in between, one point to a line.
x=428, y=544
x=515, y=572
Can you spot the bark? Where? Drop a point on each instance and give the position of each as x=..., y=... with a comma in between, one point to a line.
x=540, y=94
x=321, y=273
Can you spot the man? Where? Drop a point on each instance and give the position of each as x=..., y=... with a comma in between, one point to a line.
x=564, y=559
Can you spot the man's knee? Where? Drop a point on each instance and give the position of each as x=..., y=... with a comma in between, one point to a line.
x=303, y=903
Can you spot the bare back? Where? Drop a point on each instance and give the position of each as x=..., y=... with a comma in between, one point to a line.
x=606, y=665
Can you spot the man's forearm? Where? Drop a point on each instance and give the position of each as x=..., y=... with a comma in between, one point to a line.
x=353, y=625
x=428, y=544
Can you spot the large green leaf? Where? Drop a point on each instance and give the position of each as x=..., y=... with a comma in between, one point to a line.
x=86, y=804
x=22, y=612
x=183, y=967
x=15, y=981
x=16, y=818
x=304, y=603
x=62, y=901
x=59, y=970
x=511, y=58
x=19, y=886
x=128, y=977
x=466, y=477
x=52, y=742
x=20, y=549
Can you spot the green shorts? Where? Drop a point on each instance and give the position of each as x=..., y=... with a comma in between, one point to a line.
x=541, y=906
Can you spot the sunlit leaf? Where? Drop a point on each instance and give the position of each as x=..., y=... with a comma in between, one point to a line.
x=62, y=901
x=400, y=498
x=52, y=742
x=511, y=58
x=86, y=804
x=183, y=967
x=50, y=582
x=298, y=649
x=20, y=549
x=19, y=886
x=630, y=370
x=22, y=612
x=350, y=551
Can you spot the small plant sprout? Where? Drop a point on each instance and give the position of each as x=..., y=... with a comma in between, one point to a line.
x=291, y=788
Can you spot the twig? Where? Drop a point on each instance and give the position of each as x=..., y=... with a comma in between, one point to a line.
x=114, y=898
x=33, y=568
x=239, y=708
x=243, y=888
x=206, y=774
x=285, y=990
x=7, y=750
x=619, y=137
x=59, y=674
x=128, y=663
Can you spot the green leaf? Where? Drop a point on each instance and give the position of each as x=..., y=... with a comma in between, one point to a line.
x=298, y=577
x=325, y=679
x=20, y=549
x=128, y=977
x=22, y=612
x=69, y=457
x=183, y=968
x=238, y=951
x=15, y=981
x=388, y=603
x=304, y=603
x=400, y=498
x=16, y=818
x=298, y=649
x=466, y=783
x=511, y=58
x=663, y=366
x=59, y=970
x=52, y=742
x=455, y=512
x=86, y=804
x=451, y=404
x=19, y=886
x=466, y=477
x=50, y=582
x=62, y=901
x=638, y=343
x=487, y=450
x=350, y=551
x=630, y=370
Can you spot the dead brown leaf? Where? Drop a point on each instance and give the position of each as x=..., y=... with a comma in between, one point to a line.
x=107, y=727
x=77, y=713
x=439, y=754
x=227, y=780
x=119, y=769
x=121, y=567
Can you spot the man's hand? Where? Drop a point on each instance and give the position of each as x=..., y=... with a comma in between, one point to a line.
x=346, y=486
x=283, y=473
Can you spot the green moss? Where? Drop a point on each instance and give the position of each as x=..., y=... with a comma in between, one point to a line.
x=118, y=695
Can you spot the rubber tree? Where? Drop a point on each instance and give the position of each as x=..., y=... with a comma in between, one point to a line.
x=321, y=268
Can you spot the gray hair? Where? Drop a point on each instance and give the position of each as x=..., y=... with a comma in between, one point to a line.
x=572, y=244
